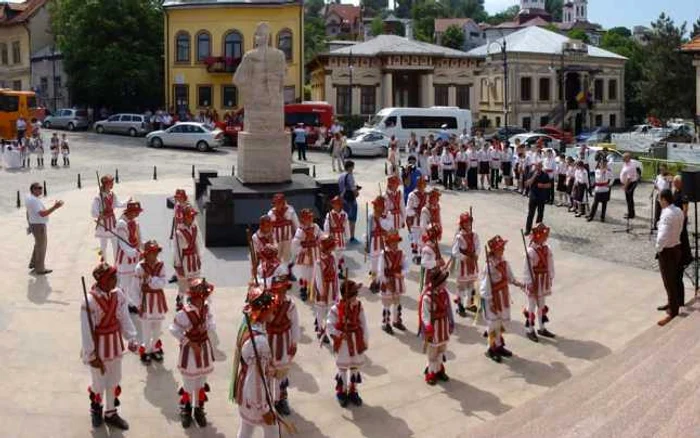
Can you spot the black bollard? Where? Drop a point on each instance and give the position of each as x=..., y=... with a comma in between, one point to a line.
x=314, y=170
x=46, y=193
x=386, y=169
x=155, y=173
x=116, y=176
x=193, y=171
x=18, y=204
x=233, y=170
x=80, y=186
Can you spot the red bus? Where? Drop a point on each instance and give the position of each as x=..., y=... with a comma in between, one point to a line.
x=317, y=117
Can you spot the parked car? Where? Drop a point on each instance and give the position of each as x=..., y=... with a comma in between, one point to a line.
x=70, y=119
x=565, y=137
x=132, y=124
x=367, y=144
x=187, y=134
x=530, y=139
x=614, y=160
x=501, y=134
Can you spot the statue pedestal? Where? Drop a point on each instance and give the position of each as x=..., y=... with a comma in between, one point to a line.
x=264, y=157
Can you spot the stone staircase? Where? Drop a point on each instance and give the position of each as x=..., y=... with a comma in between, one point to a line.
x=650, y=388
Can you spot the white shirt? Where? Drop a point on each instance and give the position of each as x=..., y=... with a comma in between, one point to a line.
x=21, y=125
x=603, y=179
x=662, y=183
x=670, y=227
x=446, y=160
x=628, y=173
x=34, y=206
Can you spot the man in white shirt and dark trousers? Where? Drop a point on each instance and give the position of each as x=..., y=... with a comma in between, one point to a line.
x=629, y=178
x=603, y=181
x=448, y=168
x=38, y=218
x=668, y=251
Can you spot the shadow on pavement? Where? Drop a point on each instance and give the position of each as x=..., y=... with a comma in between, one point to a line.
x=304, y=382
x=538, y=373
x=589, y=350
x=377, y=422
x=39, y=290
x=473, y=399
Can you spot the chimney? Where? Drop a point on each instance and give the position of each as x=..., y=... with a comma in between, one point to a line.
x=408, y=25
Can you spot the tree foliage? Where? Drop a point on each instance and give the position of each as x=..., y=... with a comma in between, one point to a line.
x=314, y=37
x=473, y=9
x=696, y=29
x=424, y=13
x=312, y=8
x=621, y=31
x=453, y=37
x=579, y=34
x=503, y=16
x=113, y=51
x=377, y=25
x=374, y=7
x=554, y=7
x=615, y=41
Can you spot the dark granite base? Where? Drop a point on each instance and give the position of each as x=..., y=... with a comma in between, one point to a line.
x=230, y=207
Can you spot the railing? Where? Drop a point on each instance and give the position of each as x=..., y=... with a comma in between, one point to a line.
x=221, y=64
x=650, y=167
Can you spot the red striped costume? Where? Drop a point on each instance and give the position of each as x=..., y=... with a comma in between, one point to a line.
x=187, y=251
x=191, y=326
x=348, y=328
x=108, y=331
x=283, y=332
x=494, y=290
x=103, y=206
x=153, y=301
x=337, y=226
x=307, y=244
x=326, y=284
x=465, y=250
x=395, y=208
x=127, y=255
x=284, y=224
x=435, y=314
x=391, y=269
x=540, y=261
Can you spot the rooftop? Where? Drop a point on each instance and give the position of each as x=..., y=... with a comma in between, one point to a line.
x=441, y=24
x=692, y=46
x=534, y=39
x=205, y=3
x=16, y=13
x=396, y=45
x=346, y=12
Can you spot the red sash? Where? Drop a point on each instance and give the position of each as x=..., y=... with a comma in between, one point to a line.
x=278, y=329
x=351, y=327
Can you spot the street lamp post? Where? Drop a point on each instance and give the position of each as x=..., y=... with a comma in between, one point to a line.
x=350, y=67
x=504, y=52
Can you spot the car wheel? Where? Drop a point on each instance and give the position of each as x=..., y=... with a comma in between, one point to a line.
x=100, y=129
x=47, y=124
x=156, y=142
x=202, y=146
x=71, y=126
x=132, y=132
x=347, y=153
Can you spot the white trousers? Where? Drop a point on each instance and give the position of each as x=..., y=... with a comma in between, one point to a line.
x=150, y=332
x=464, y=289
x=535, y=303
x=103, y=247
x=246, y=430
x=105, y=384
x=435, y=357
x=321, y=311
x=127, y=283
x=192, y=385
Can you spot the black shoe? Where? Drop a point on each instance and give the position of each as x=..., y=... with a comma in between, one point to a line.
x=186, y=416
x=133, y=309
x=493, y=355
x=374, y=287
x=355, y=398
x=461, y=311
x=200, y=417
x=589, y=218
x=292, y=277
x=503, y=351
x=387, y=328
x=342, y=399
x=326, y=340
x=96, y=415
x=157, y=356
x=442, y=375
x=472, y=308
x=173, y=279
x=117, y=422
x=399, y=326
x=532, y=336
x=146, y=358
x=303, y=294
x=578, y=214
x=546, y=333
x=663, y=308
x=282, y=407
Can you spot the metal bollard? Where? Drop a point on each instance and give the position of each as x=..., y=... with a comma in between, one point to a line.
x=46, y=192
x=155, y=173
x=116, y=176
x=80, y=186
x=18, y=204
x=314, y=170
x=193, y=171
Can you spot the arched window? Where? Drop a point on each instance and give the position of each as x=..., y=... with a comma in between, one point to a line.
x=284, y=43
x=182, y=47
x=203, y=45
x=233, y=45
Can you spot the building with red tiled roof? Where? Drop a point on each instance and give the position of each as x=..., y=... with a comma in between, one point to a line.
x=693, y=47
x=473, y=35
x=343, y=20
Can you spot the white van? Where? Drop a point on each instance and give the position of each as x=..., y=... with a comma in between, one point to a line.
x=400, y=122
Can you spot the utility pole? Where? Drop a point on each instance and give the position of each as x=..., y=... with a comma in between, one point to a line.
x=505, y=85
x=350, y=67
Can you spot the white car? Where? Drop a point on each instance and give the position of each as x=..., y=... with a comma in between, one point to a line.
x=530, y=139
x=187, y=134
x=614, y=160
x=367, y=144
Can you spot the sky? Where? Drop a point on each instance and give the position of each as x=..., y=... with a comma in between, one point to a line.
x=628, y=13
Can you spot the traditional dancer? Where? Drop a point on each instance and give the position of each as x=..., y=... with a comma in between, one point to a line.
x=436, y=324
x=104, y=322
x=377, y=228
x=181, y=203
x=338, y=226
x=393, y=201
x=269, y=266
x=431, y=259
x=326, y=292
x=253, y=366
x=283, y=334
x=192, y=327
x=186, y=258
x=305, y=246
x=128, y=251
x=496, y=277
x=392, y=270
x=430, y=214
x=264, y=236
x=103, y=206
x=417, y=199
x=347, y=326
x=285, y=224
x=465, y=249
x=150, y=273
x=540, y=265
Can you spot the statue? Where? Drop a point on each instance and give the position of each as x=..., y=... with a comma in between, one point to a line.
x=260, y=81
x=264, y=154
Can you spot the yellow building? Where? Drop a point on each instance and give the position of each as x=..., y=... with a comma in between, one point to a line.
x=205, y=40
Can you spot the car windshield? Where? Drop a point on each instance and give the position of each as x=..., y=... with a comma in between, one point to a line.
x=358, y=136
x=207, y=128
x=375, y=120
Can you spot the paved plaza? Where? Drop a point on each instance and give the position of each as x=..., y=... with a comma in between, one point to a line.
x=605, y=294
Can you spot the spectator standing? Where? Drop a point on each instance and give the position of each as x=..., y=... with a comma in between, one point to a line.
x=629, y=179
x=38, y=218
x=65, y=151
x=668, y=252
x=300, y=141
x=409, y=177
x=349, y=191
x=662, y=182
x=338, y=146
x=539, y=184
x=603, y=181
x=681, y=201
x=21, y=128
x=54, y=148
x=447, y=162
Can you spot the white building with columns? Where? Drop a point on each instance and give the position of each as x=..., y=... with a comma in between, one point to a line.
x=392, y=71
x=693, y=48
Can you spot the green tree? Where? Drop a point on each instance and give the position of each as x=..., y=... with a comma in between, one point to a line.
x=453, y=37
x=554, y=7
x=403, y=8
x=314, y=37
x=696, y=29
x=377, y=26
x=473, y=9
x=424, y=13
x=312, y=8
x=374, y=7
x=551, y=27
x=503, y=16
x=620, y=30
x=667, y=72
x=579, y=34
x=615, y=41
x=112, y=50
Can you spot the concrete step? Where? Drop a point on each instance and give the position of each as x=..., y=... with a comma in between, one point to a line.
x=643, y=390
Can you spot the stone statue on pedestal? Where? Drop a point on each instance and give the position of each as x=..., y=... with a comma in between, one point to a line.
x=264, y=151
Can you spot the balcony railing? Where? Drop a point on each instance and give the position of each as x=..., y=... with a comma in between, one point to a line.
x=221, y=64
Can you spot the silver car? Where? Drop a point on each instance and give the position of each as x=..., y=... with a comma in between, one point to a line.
x=187, y=134
x=65, y=118
x=132, y=124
